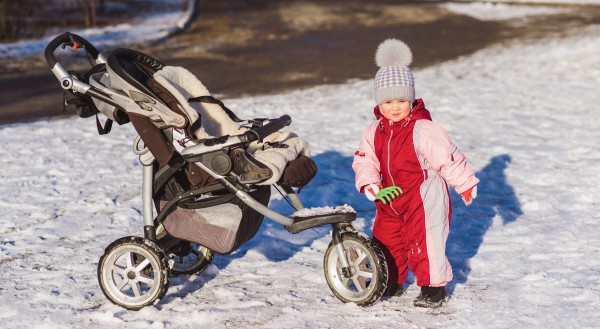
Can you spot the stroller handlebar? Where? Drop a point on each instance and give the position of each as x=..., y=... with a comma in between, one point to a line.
x=195, y=153
x=272, y=126
x=74, y=41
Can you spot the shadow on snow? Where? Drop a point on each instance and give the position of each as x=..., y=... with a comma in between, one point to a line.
x=469, y=225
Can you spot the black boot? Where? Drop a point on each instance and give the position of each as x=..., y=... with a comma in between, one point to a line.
x=431, y=297
x=394, y=290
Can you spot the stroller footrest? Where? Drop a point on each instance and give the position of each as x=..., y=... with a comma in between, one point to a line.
x=309, y=218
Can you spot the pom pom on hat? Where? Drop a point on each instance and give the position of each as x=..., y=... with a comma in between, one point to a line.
x=393, y=52
x=394, y=79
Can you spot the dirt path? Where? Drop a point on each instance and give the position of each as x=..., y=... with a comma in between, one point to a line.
x=245, y=47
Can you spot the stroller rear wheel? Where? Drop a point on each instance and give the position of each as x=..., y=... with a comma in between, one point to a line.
x=189, y=258
x=367, y=279
x=133, y=272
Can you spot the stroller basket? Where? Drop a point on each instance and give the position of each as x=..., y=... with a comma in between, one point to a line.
x=222, y=228
x=221, y=222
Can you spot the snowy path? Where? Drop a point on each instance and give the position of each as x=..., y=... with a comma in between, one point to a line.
x=526, y=254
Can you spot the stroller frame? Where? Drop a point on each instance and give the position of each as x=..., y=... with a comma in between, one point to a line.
x=355, y=267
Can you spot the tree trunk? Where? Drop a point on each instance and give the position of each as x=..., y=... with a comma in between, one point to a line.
x=93, y=20
x=3, y=30
x=88, y=9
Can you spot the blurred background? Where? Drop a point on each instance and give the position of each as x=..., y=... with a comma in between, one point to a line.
x=249, y=47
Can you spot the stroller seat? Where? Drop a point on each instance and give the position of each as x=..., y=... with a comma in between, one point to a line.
x=274, y=152
x=182, y=127
x=167, y=97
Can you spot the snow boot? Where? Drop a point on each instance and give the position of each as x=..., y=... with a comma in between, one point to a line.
x=394, y=290
x=431, y=297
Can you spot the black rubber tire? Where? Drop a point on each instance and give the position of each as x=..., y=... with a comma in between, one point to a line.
x=359, y=288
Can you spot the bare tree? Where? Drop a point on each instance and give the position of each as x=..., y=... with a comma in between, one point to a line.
x=88, y=8
x=3, y=30
x=13, y=15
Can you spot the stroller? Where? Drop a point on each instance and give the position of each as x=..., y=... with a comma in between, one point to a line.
x=207, y=178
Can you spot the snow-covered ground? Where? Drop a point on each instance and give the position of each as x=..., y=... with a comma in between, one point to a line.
x=526, y=254
x=488, y=11
x=539, y=2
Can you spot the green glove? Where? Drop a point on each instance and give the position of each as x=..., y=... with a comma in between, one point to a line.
x=388, y=194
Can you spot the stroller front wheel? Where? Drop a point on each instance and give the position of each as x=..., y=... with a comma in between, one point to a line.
x=133, y=272
x=367, y=279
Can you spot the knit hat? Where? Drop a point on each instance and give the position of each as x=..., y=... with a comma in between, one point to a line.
x=394, y=80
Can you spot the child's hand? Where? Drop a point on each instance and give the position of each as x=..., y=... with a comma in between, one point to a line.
x=388, y=194
x=375, y=192
x=371, y=191
x=469, y=195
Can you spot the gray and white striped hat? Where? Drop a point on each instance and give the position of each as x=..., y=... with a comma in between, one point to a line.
x=394, y=80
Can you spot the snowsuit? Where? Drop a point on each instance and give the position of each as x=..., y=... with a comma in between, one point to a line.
x=416, y=155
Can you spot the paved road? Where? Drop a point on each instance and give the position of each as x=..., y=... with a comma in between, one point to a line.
x=242, y=47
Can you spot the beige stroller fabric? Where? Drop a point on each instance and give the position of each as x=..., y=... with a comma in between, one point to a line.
x=214, y=227
x=183, y=85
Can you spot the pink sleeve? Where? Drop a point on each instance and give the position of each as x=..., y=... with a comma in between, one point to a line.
x=366, y=164
x=444, y=157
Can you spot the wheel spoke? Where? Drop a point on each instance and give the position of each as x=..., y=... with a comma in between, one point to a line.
x=135, y=286
x=142, y=265
x=364, y=274
x=145, y=279
x=360, y=258
x=359, y=284
x=117, y=269
x=130, y=259
x=345, y=281
x=123, y=283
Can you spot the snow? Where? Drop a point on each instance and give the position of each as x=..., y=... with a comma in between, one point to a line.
x=542, y=2
x=525, y=254
x=318, y=211
x=488, y=11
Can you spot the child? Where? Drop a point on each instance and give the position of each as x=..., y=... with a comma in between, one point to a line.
x=404, y=163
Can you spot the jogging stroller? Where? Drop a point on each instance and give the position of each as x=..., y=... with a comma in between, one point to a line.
x=207, y=178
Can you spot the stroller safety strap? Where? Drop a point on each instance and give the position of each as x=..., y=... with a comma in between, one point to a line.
x=211, y=99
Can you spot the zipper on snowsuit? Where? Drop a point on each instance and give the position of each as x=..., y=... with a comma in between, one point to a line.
x=388, y=161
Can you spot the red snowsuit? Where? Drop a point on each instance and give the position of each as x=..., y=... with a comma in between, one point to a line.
x=416, y=155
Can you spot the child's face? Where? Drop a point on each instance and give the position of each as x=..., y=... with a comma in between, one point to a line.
x=395, y=110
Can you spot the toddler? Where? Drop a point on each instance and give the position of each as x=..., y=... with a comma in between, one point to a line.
x=404, y=164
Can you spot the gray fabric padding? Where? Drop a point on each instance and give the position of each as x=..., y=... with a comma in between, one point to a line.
x=213, y=227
